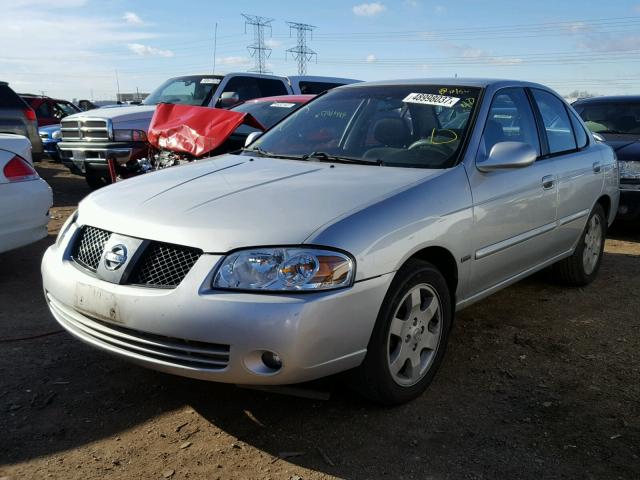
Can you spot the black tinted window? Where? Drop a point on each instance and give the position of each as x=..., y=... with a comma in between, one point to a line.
x=9, y=99
x=510, y=120
x=248, y=88
x=556, y=122
x=271, y=88
x=315, y=88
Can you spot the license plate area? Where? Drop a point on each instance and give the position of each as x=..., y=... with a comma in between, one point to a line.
x=96, y=302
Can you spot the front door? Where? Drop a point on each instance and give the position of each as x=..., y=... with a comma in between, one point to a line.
x=514, y=210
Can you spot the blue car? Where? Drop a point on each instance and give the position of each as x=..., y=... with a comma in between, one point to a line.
x=50, y=136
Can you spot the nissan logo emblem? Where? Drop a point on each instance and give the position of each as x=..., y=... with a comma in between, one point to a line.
x=115, y=257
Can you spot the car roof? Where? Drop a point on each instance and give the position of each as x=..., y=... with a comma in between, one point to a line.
x=455, y=82
x=282, y=98
x=32, y=95
x=609, y=99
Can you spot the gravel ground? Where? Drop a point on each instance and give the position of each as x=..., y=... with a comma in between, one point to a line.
x=539, y=382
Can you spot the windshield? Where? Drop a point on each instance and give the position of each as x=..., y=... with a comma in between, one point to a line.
x=192, y=90
x=407, y=126
x=615, y=118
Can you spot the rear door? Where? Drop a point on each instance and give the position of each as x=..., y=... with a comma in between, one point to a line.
x=577, y=168
x=514, y=209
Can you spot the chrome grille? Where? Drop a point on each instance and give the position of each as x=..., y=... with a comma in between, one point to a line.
x=164, y=265
x=86, y=130
x=89, y=246
x=169, y=350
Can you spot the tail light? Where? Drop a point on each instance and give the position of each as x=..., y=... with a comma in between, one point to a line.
x=19, y=170
x=30, y=114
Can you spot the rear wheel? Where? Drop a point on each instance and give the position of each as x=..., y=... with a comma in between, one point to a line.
x=96, y=181
x=410, y=336
x=581, y=268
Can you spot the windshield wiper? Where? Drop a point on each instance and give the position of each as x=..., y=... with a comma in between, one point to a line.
x=263, y=153
x=325, y=157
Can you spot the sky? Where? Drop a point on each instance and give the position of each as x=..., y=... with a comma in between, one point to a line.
x=86, y=48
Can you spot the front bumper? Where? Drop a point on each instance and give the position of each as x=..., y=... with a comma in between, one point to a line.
x=81, y=157
x=197, y=332
x=629, y=206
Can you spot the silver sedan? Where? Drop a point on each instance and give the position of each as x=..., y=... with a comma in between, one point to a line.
x=344, y=238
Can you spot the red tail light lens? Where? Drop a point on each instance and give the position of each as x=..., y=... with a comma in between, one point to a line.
x=30, y=114
x=18, y=170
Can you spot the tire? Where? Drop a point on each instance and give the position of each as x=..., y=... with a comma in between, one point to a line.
x=392, y=373
x=582, y=267
x=96, y=181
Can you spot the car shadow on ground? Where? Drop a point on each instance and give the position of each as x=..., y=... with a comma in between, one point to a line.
x=521, y=391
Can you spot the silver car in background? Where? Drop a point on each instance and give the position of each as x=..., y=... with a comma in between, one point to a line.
x=344, y=238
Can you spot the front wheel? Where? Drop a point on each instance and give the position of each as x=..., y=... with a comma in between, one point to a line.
x=409, y=338
x=581, y=268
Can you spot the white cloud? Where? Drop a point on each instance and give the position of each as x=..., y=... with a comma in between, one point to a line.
x=478, y=55
x=411, y=3
x=147, y=51
x=234, y=61
x=369, y=9
x=603, y=42
x=439, y=9
x=132, y=18
x=636, y=8
x=371, y=58
x=272, y=43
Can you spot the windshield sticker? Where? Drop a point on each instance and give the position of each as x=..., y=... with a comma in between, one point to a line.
x=453, y=91
x=431, y=99
x=282, y=105
x=214, y=81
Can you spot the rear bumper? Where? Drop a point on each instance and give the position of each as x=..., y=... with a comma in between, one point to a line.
x=29, y=202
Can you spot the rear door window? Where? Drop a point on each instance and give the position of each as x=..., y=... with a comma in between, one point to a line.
x=581, y=136
x=556, y=122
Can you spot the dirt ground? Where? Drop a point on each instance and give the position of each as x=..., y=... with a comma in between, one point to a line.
x=539, y=382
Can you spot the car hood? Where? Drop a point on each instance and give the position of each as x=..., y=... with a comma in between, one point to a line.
x=235, y=201
x=121, y=114
x=626, y=147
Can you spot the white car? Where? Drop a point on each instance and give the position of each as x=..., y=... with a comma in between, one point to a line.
x=25, y=198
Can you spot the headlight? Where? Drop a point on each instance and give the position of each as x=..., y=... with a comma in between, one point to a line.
x=57, y=134
x=65, y=227
x=284, y=269
x=44, y=135
x=129, y=136
x=629, y=170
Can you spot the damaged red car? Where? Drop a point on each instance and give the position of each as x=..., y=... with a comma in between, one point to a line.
x=183, y=133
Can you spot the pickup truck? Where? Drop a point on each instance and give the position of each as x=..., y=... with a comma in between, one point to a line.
x=90, y=139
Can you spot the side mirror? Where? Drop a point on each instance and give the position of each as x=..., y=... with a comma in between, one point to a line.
x=251, y=138
x=228, y=99
x=508, y=155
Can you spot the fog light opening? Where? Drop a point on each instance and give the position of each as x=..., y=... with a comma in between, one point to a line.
x=263, y=362
x=272, y=360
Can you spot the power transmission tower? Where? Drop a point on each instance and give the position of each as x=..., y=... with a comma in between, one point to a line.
x=257, y=49
x=301, y=52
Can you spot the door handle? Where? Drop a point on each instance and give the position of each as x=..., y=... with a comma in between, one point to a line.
x=596, y=167
x=547, y=182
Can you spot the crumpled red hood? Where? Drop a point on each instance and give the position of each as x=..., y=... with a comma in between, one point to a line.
x=194, y=130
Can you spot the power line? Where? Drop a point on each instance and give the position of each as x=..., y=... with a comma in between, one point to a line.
x=301, y=52
x=257, y=49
